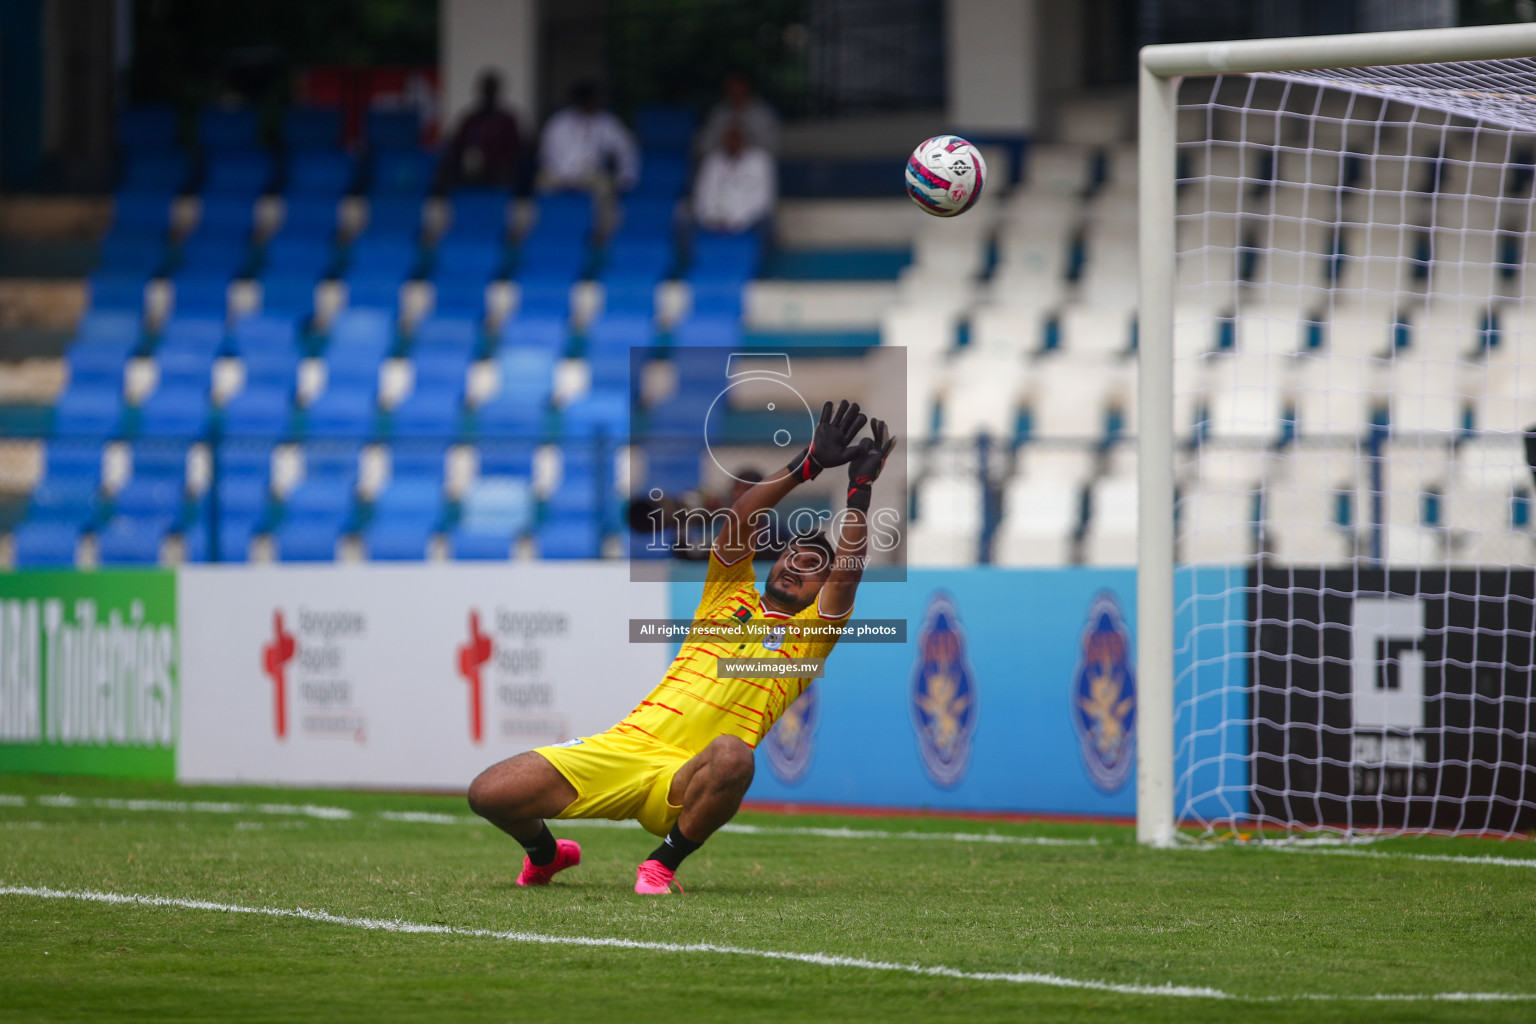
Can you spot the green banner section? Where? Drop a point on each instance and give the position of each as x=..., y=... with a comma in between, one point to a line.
x=89, y=673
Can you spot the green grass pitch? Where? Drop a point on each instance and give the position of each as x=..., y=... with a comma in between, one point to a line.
x=1298, y=936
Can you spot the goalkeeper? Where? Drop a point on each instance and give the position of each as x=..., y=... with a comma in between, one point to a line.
x=681, y=761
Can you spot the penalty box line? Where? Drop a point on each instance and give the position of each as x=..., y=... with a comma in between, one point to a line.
x=398, y=926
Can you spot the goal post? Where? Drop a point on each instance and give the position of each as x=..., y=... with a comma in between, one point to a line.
x=1438, y=76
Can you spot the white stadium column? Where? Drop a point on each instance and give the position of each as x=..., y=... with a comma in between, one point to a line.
x=476, y=35
x=991, y=66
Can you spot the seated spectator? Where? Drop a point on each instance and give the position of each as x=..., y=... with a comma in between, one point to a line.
x=736, y=186
x=486, y=145
x=756, y=120
x=587, y=148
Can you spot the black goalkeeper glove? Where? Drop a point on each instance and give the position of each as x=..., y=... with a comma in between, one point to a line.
x=866, y=463
x=831, y=443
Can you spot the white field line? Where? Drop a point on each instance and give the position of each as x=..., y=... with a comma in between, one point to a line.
x=815, y=959
x=430, y=818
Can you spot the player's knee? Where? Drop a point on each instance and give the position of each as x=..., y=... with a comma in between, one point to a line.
x=482, y=794
x=733, y=762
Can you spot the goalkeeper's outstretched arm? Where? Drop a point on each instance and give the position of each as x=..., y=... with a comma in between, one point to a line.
x=852, y=533
x=831, y=445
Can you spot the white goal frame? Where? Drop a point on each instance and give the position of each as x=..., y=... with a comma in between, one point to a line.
x=1162, y=68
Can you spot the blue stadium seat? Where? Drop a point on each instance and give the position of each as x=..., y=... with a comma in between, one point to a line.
x=570, y=538
x=610, y=370
x=227, y=128
x=320, y=498
x=527, y=374
x=479, y=214
x=718, y=299
x=274, y=365
x=545, y=333
x=131, y=540
x=366, y=329
x=505, y=416
x=341, y=412
x=307, y=218
x=662, y=175
x=116, y=290
x=149, y=496
x=459, y=297
x=126, y=251
x=307, y=129
x=308, y=539
x=260, y=409
x=420, y=458
x=258, y=334
x=545, y=299
x=68, y=460
x=242, y=497
x=563, y=218
x=159, y=173
x=710, y=331
x=725, y=257
x=639, y=259
x=620, y=332
x=672, y=467
x=248, y=458
x=401, y=174
x=443, y=333
x=648, y=218
x=325, y=175
x=442, y=368
x=141, y=213
x=44, y=545
x=209, y=254
x=495, y=511
x=303, y=256
x=226, y=216
x=405, y=515
x=96, y=365
x=431, y=411
x=88, y=413
x=391, y=218
x=175, y=410
x=235, y=534
x=664, y=127
x=501, y=456
x=201, y=293
x=161, y=459
x=245, y=174
x=597, y=412
x=287, y=296
x=192, y=333
x=479, y=259
x=148, y=128
x=72, y=501
x=629, y=298
x=110, y=327
x=332, y=458
x=560, y=262
x=393, y=130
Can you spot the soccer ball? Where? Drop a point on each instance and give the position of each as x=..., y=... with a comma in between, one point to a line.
x=945, y=175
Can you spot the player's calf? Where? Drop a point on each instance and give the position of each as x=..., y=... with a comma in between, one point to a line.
x=516, y=795
x=711, y=786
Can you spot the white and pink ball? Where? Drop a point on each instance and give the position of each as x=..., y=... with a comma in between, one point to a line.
x=945, y=175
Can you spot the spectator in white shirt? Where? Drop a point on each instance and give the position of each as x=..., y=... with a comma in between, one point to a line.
x=736, y=186
x=587, y=148
x=742, y=107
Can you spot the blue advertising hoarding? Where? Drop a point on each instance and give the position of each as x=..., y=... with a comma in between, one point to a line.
x=1014, y=691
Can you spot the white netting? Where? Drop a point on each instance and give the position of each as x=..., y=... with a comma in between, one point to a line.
x=1355, y=366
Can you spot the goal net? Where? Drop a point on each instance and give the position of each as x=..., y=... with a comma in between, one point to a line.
x=1354, y=370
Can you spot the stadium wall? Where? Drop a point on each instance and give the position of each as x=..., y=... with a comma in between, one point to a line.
x=1012, y=691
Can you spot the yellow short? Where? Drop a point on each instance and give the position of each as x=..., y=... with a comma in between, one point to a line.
x=620, y=776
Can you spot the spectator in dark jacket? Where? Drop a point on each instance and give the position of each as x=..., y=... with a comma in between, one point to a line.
x=486, y=147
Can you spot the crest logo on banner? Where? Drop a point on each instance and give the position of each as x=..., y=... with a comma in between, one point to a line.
x=1104, y=696
x=473, y=655
x=275, y=657
x=943, y=694
x=792, y=741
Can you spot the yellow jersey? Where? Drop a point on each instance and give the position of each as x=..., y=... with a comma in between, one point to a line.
x=692, y=705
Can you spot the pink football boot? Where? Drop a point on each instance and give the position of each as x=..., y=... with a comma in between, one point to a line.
x=567, y=855
x=653, y=878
